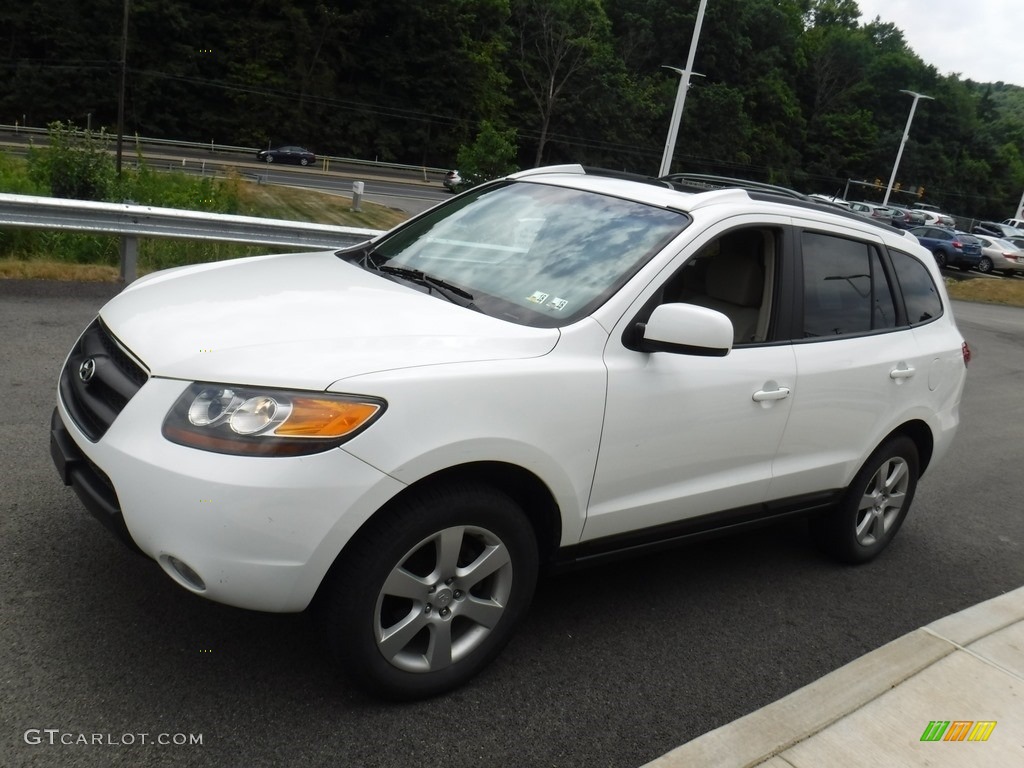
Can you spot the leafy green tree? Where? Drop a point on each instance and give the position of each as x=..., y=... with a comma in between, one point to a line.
x=491, y=155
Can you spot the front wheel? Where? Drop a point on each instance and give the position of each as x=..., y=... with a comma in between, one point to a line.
x=430, y=591
x=985, y=265
x=874, y=505
x=303, y=161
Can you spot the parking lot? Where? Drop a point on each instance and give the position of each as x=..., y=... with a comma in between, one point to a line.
x=615, y=666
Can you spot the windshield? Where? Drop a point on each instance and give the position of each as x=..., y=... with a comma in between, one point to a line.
x=532, y=253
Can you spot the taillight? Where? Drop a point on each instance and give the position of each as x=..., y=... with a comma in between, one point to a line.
x=966, y=351
x=957, y=244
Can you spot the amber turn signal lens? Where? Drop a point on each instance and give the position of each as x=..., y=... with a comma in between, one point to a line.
x=314, y=417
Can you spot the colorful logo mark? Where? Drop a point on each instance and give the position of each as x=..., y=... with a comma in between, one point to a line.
x=958, y=730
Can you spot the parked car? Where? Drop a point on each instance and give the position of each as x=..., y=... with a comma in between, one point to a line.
x=1015, y=223
x=296, y=155
x=1000, y=256
x=907, y=218
x=875, y=211
x=933, y=219
x=951, y=247
x=553, y=368
x=995, y=229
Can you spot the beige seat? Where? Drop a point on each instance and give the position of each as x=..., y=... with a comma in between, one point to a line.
x=734, y=284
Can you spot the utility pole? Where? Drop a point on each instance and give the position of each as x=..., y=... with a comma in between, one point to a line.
x=120, y=96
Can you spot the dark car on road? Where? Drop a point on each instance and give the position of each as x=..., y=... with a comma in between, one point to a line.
x=950, y=247
x=296, y=155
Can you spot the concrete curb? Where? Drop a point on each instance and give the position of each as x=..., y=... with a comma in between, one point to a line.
x=761, y=735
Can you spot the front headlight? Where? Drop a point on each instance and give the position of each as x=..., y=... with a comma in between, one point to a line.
x=254, y=421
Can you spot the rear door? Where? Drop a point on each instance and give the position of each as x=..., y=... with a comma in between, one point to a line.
x=858, y=362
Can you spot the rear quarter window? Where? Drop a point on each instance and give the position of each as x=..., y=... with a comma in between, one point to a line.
x=920, y=296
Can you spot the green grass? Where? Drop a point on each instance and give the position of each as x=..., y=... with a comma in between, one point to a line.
x=50, y=255
x=1008, y=291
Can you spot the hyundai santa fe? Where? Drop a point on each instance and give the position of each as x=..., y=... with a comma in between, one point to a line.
x=545, y=370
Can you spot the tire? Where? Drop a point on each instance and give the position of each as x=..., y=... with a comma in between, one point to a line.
x=940, y=259
x=430, y=591
x=270, y=158
x=303, y=161
x=985, y=265
x=874, y=505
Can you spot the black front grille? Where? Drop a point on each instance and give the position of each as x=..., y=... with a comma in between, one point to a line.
x=98, y=380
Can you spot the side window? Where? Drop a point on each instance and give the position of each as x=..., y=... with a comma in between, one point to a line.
x=919, y=293
x=845, y=287
x=733, y=274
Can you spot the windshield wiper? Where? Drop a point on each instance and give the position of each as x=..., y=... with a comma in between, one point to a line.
x=444, y=288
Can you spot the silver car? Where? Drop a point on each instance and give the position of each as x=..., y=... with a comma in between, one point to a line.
x=1000, y=256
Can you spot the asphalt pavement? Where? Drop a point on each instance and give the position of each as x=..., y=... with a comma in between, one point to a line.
x=616, y=666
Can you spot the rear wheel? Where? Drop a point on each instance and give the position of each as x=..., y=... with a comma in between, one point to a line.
x=940, y=259
x=270, y=158
x=430, y=592
x=874, y=505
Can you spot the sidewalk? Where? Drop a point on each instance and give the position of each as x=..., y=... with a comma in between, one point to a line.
x=966, y=669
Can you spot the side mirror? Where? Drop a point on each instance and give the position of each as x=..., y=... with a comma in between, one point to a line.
x=687, y=329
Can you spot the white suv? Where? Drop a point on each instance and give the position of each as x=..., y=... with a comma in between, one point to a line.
x=546, y=369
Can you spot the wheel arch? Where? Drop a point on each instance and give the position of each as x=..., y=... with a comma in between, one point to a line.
x=921, y=434
x=527, y=490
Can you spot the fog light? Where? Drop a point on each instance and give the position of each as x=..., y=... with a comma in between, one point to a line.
x=185, y=573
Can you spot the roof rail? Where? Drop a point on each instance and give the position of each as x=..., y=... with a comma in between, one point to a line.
x=697, y=182
x=590, y=170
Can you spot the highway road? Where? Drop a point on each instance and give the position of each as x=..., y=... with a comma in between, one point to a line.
x=615, y=666
x=412, y=190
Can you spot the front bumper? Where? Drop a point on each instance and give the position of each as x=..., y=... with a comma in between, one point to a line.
x=88, y=481
x=260, y=533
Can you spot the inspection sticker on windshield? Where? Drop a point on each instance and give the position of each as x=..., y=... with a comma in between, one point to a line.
x=558, y=304
x=538, y=297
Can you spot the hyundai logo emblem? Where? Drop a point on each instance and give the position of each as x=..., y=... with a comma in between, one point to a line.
x=87, y=370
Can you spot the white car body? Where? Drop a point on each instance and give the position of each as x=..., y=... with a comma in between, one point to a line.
x=624, y=441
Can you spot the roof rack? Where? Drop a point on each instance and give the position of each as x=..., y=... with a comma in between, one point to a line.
x=627, y=175
x=687, y=182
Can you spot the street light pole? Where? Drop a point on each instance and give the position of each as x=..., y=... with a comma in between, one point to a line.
x=684, y=85
x=903, y=141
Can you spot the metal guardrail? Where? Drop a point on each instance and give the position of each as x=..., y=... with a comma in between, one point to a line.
x=213, y=147
x=131, y=222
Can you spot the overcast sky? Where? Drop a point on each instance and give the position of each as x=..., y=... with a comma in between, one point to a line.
x=982, y=40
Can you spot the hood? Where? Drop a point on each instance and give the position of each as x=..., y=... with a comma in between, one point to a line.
x=301, y=320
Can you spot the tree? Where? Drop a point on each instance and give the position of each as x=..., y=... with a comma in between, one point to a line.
x=555, y=41
x=491, y=155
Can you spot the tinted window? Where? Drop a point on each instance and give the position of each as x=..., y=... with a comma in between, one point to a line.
x=919, y=292
x=845, y=288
